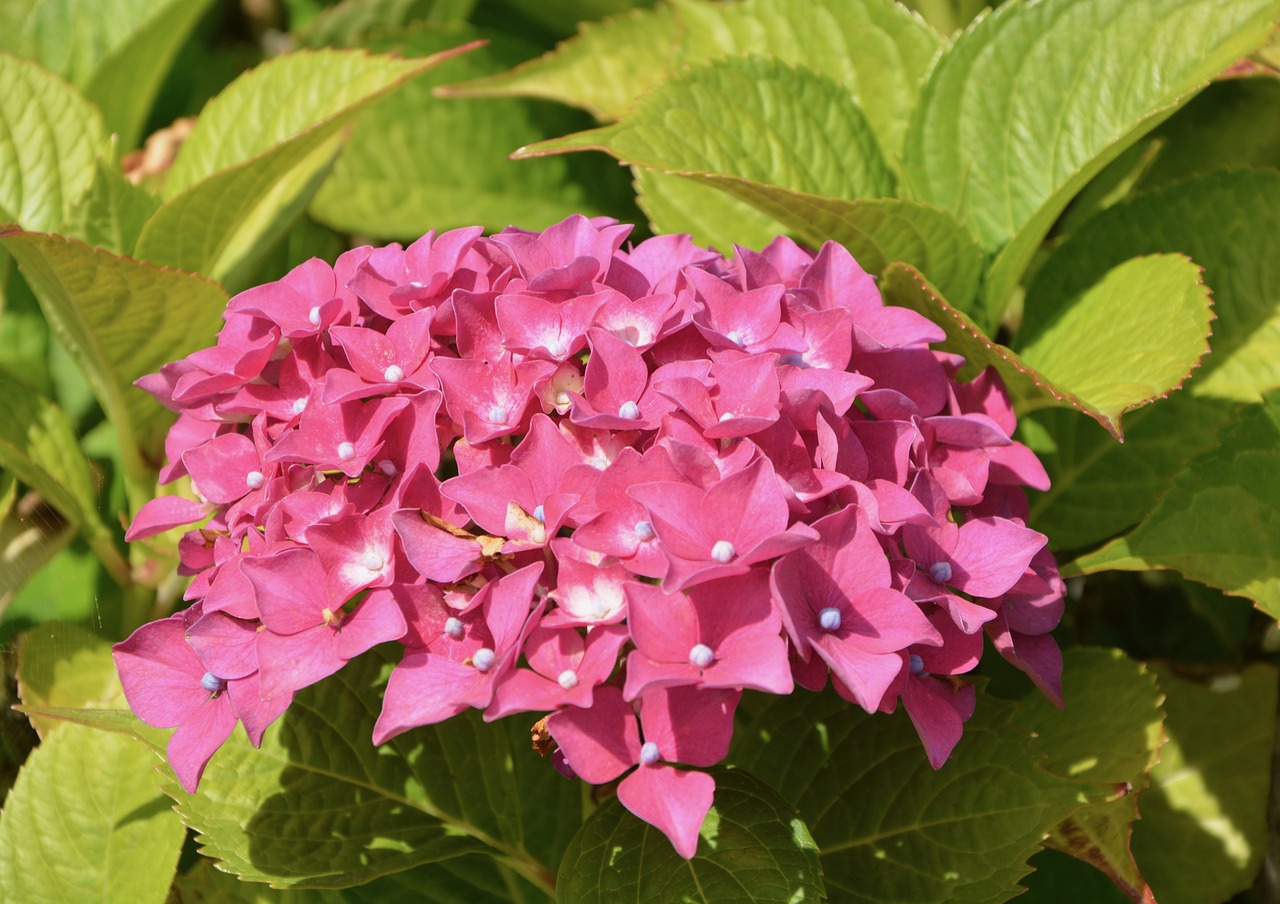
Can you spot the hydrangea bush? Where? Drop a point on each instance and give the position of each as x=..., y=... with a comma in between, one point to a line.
x=615, y=488
x=571, y=561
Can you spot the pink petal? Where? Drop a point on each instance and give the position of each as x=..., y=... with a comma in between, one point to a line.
x=672, y=800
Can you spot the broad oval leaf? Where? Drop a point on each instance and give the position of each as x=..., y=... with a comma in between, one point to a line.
x=676, y=204
x=112, y=214
x=753, y=847
x=66, y=665
x=84, y=821
x=1229, y=224
x=602, y=69
x=1104, y=345
x=119, y=319
x=875, y=48
x=891, y=829
x=1135, y=370
x=258, y=154
x=1203, y=831
x=1111, y=731
x=1100, y=487
x=125, y=81
x=39, y=446
x=1219, y=522
x=397, y=179
x=279, y=100
x=49, y=139
x=877, y=231
x=1035, y=99
x=319, y=806
x=789, y=127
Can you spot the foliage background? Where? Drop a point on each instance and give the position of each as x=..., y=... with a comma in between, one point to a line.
x=1066, y=182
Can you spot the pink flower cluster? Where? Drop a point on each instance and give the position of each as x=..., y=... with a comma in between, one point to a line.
x=616, y=487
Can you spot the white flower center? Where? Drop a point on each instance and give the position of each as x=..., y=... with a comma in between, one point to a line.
x=255, y=480
x=723, y=552
x=568, y=679
x=346, y=451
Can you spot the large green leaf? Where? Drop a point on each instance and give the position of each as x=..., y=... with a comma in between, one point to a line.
x=397, y=178
x=1229, y=223
x=38, y=445
x=1101, y=487
x=351, y=22
x=257, y=155
x=119, y=319
x=112, y=214
x=1233, y=123
x=125, y=82
x=27, y=545
x=1100, y=344
x=1219, y=523
x=753, y=846
x=66, y=665
x=1203, y=831
x=1110, y=731
x=751, y=117
x=674, y=204
x=1099, y=356
x=49, y=139
x=470, y=879
x=877, y=231
x=889, y=828
x=320, y=806
x=875, y=48
x=84, y=822
x=602, y=69
x=1041, y=96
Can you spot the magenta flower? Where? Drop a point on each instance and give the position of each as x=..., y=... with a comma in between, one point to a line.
x=836, y=600
x=519, y=454
x=721, y=531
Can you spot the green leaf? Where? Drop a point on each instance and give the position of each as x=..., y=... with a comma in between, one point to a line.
x=38, y=445
x=472, y=879
x=1106, y=72
x=1028, y=387
x=875, y=48
x=125, y=81
x=66, y=588
x=1110, y=731
x=350, y=23
x=889, y=828
x=1101, y=487
x=675, y=204
x=1203, y=831
x=1101, y=345
x=753, y=846
x=1231, y=124
x=320, y=806
x=113, y=213
x=84, y=822
x=26, y=545
x=111, y=721
x=1219, y=523
x=602, y=69
x=49, y=139
x=64, y=665
x=1229, y=224
x=119, y=319
x=258, y=154
x=877, y=231
x=397, y=179
x=790, y=127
